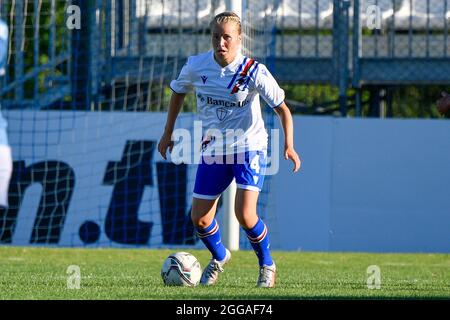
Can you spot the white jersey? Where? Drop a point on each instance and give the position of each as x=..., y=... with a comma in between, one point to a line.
x=228, y=101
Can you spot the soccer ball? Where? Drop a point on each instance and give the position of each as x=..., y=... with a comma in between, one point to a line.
x=181, y=269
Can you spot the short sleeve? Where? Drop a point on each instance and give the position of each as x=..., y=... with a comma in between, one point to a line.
x=268, y=88
x=3, y=45
x=183, y=84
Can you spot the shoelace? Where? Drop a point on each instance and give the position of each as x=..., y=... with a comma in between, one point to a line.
x=264, y=275
x=212, y=268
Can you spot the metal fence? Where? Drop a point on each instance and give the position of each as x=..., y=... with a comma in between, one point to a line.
x=128, y=50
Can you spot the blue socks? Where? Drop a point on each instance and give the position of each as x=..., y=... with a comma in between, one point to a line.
x=211, y=238
x=257, y=235
x=259, y=240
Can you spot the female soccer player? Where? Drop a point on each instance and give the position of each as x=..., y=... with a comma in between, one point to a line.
x=228, y=86
x=5, y=150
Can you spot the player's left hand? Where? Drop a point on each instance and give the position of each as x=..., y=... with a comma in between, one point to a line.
x=290, y=153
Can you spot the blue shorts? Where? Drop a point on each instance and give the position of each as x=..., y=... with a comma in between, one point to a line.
x=214, y=175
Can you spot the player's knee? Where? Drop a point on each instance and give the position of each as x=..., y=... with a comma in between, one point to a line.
x=194, y=218
x=247, y=223
x=244, y=212
x=200, y=222
x=198, y=219
x=203, y=223
x=247, y=218
x=202, y=212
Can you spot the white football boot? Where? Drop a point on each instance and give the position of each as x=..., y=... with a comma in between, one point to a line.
x=266, y=277
x=211, y=273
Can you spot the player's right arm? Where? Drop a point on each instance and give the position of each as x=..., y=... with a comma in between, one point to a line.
x=176, y=102
x=180, y=87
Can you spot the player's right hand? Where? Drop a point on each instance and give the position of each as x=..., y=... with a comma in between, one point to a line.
x=164, y=143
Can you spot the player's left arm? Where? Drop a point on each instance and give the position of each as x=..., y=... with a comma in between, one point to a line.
x=285, y=117
x=268, y=88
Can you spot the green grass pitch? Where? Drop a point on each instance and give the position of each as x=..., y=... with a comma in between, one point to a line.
x=41, y=273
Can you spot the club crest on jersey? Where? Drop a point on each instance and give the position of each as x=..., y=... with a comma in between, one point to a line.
x=239, y=85
x=204, y=78
x=206, y=142
x=222, y=113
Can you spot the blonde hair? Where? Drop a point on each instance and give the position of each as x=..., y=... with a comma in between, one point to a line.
x=224, y=17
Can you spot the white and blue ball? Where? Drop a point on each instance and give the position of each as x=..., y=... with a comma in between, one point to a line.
x=181, y=269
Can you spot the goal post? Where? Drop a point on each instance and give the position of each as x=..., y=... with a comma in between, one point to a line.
x=230, y=225
x=258, y=22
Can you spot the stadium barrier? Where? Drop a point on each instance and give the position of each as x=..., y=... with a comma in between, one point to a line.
x=365, y=185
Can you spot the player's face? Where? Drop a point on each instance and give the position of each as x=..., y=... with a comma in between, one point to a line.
x=226, y=41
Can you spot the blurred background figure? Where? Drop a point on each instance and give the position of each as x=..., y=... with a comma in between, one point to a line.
x=443, y=105
x=5, y=150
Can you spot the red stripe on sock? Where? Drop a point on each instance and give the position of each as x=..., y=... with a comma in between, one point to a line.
x=260, y=237
x=214, y=230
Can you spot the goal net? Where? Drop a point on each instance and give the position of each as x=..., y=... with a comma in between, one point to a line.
x=85, y=95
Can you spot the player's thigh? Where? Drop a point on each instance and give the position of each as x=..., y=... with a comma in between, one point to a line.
x=249, y=170
x=212, y=179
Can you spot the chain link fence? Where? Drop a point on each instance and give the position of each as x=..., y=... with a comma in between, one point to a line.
x=121, y=54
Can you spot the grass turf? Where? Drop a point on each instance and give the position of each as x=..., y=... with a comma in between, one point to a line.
x=40, y=273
